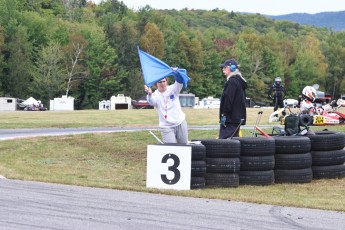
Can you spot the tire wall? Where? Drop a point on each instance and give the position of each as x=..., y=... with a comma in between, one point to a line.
x=257, y=161
x=222, y=162
x=293, y=160
x=198, y=167
x=328, y=154
x=265, y=161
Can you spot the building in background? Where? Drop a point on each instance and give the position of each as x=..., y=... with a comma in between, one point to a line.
x=8, y=104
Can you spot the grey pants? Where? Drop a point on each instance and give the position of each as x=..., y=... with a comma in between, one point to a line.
x=178, y=134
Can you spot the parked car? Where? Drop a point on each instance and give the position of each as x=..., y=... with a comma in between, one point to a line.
x=141, y=103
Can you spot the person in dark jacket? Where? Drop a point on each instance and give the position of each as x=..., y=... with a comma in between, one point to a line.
x=232, y=112
x=277, y=93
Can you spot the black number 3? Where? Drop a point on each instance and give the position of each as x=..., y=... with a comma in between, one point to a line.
x=172, y=168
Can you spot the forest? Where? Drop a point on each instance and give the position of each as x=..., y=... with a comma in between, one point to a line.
x=50, y=48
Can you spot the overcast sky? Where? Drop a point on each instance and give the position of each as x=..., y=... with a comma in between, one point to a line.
x=270, y=7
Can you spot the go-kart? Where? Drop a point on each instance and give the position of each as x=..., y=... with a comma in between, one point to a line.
x=317, y=115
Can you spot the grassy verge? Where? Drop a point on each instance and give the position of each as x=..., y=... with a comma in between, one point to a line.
x=118, y=161
x=113, y=118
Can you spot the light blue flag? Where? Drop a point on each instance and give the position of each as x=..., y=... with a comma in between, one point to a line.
x=155, y=70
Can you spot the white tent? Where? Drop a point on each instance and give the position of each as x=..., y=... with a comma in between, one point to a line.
x=31, y=101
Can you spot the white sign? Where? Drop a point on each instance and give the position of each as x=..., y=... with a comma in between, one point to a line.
x=169, y=166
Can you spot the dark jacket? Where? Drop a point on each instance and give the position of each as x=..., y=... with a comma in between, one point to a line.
x=233, y=100
x=278, y=91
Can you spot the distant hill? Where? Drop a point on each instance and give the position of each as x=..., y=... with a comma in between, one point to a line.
x=334, y=20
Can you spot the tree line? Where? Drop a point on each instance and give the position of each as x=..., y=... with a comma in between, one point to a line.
x=50, y=48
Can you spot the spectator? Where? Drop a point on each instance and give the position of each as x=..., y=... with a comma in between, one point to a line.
x=232, y=112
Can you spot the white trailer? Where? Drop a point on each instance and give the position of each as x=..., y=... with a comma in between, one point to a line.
x=210, y=103
x=120, y=102
x=62, y=104
x=8, y=104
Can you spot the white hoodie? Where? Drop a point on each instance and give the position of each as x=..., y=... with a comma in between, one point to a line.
x=168, y=106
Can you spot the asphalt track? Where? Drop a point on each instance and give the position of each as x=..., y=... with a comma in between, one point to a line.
x=6, y=134
x=36, y=205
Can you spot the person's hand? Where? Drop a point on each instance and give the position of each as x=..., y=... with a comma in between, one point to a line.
x=174, y=68
x=148, y=90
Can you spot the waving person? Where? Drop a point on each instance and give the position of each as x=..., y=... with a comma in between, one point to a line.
x=172, y=120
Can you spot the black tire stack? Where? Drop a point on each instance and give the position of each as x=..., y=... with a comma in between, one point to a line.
x=293, y=159
x=198, y=169
x=222, y=162
x=327, y=150
x=257, y=161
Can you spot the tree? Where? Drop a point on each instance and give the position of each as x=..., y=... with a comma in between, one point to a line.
x=123, y=36
x=19, y=64
x=124, y=39
x=49, y=75
x=2, y=45
x=334, y=50
x=255, y=49
x=287, y=53
x=104, y=79
x=182, y=57
x=74, y=56
x=195, y=57
x=152, y=41
x=212, y=80
x=43, y=7
x=309, y=67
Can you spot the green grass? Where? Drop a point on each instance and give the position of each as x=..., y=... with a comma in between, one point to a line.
x=112, y=118
x=118, y=160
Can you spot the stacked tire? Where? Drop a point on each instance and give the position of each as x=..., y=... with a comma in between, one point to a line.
x=198, y=168
x=257, y=161
x=327, y=150
x=293, y=159
x=222, y=162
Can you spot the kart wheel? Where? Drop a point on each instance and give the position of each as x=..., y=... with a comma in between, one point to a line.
x=305, y=120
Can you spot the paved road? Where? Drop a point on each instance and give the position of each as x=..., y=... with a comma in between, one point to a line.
x=6, y=134
x=35, y=205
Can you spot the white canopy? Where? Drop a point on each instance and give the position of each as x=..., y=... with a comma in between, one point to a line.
x=31, y=101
